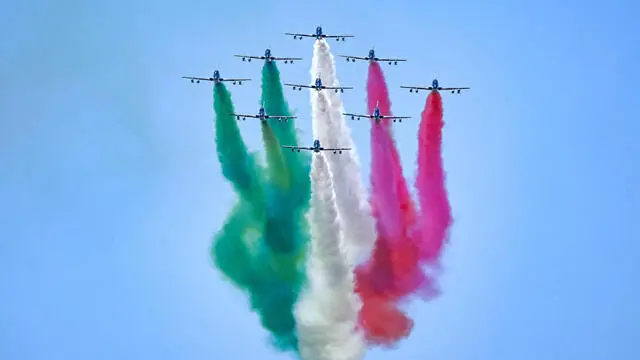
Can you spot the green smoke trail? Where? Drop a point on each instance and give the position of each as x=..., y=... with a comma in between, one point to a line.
x=275, y=104
x=238, y=165
x=299, y=164
x=235, y=245
x=286, y=232
x=271, y=280
x=277, y=171
x=262, y=246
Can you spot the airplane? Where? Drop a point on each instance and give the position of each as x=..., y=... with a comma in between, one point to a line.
x=267, y=57
x=318, y=86
x=315, y=148
x=434, y=87
x=216, y=79
x=319, y=35
x=372, y=57
x=262, y=116
x=377, y=116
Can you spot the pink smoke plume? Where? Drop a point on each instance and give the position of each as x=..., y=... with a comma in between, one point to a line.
x=387, y=204
x=394, y=270
x=435, y=217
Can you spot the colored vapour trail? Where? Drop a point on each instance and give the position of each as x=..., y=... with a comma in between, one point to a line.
x=293, y=203
x=232, y=245
x=327, y=312
x=238, y=165
x=298, y=163
x=277, y=171
x=286, y=231
x=394, y=270
x=385, y=199
x=261, y=247
x=330, y=127
x=435, y=210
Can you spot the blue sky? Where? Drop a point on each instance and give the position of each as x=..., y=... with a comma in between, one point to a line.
x=111, y=188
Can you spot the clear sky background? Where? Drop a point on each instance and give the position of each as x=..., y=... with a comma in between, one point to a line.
x=110, y=187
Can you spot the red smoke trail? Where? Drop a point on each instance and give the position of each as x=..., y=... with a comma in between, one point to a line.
x=377, y=93
x=435, y=211
x=394, y=270
x=387, y=205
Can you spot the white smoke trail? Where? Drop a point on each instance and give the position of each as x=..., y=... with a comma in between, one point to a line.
x=327, y=312
x=332, y=131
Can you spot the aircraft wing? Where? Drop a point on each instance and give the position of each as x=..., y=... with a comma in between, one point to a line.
x=197, y=78
x=335, y=149
x=458, y=88
x=337, y=87
x=395, y=117
x=392, y=60
x=417, y=87
x=245, y=115
x=296, y=147
x=301, y=86
x=280, y=117
x=300, y=35
x=337, y=36
x=250, y=57
x=221, y=79
x=354, y=57
x=285, y=58
x=357, y=115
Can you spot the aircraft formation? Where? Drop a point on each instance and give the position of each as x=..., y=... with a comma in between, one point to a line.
x=318, y=86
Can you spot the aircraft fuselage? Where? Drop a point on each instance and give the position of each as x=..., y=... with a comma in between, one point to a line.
x=376, y=113
x=267, y=55
x=316, y=146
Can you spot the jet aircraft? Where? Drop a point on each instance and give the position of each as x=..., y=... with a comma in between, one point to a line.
x=372, y=57
x=318, y=86
x=377, y=116
x=216, y=79
x=315, y=148
x=267, y=57
x=262, y=116
x=434, y=87
x=319, y=35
